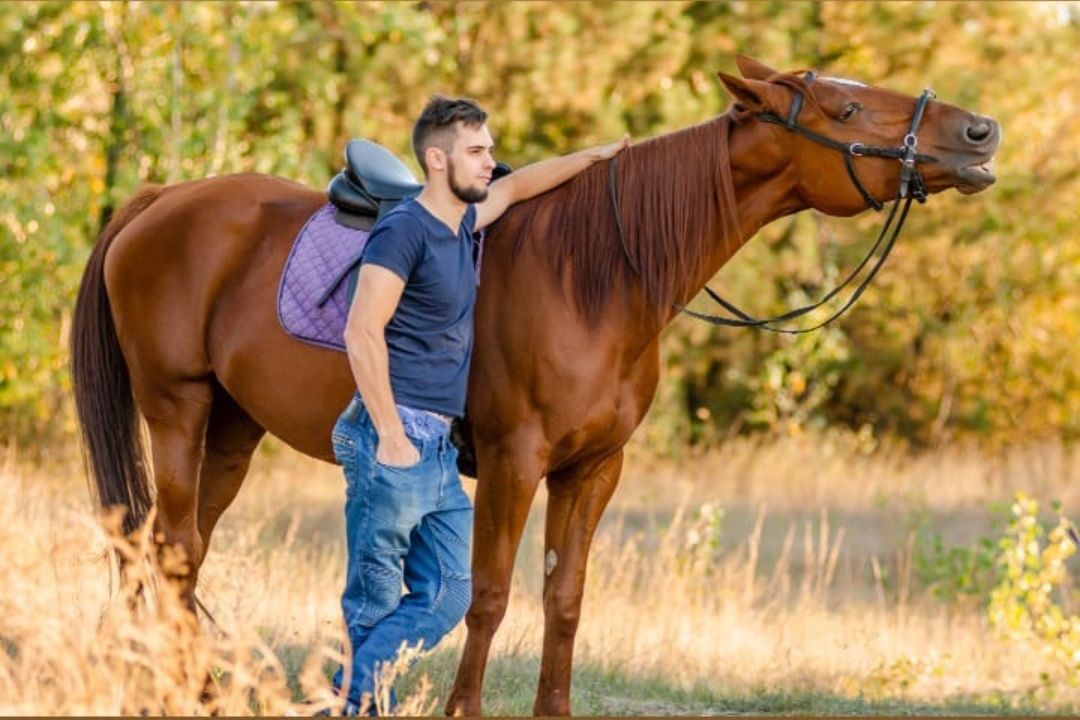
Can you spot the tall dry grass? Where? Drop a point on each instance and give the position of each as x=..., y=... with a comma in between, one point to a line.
x=763, y=567
x=80, y=638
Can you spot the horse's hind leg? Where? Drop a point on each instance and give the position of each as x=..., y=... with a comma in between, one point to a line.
x=576, y=499
x=231, y=439
x=177, y=414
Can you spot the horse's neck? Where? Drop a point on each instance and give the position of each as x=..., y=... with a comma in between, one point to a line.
x=745, y=201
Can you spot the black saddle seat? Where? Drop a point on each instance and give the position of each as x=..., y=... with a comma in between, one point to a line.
x=372, y=182
x=379, y=171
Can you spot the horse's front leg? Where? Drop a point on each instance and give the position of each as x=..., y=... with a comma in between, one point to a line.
x=577, y=497
x=509, y=476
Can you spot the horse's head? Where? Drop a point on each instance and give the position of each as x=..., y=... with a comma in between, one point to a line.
x=842, y=144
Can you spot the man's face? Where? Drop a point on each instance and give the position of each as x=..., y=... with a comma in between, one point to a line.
x=469, y=164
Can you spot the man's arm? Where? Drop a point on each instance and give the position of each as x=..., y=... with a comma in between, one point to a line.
x=378, y=291
x=540, y=177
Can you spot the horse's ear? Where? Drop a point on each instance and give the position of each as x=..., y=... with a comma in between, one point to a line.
x=752, y=69
x=753, y=95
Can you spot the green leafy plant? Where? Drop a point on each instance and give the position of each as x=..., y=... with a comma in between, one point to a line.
x=957, y=574
x=1034, y=589
x=701, y=543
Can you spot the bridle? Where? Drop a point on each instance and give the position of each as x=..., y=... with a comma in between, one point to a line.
x=911, y=188
x=907, y=153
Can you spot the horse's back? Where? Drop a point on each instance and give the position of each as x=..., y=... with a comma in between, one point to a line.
x=204, y=227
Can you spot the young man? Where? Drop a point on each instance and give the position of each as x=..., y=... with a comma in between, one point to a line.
x=409, y=338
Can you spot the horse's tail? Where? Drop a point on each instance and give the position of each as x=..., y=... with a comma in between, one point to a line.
x=104, y=402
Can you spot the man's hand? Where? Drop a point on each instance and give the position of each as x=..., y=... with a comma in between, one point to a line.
x=606, y=152
x=397, y=451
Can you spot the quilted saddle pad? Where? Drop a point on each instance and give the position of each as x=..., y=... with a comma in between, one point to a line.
x=314, y=292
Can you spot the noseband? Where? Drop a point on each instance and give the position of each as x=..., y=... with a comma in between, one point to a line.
x=911, y=188
x=908, y=153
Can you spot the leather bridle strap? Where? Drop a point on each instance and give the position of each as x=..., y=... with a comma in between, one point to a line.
x=618, y=216
x=907, y=153
x=745, y=320
x=911, y=187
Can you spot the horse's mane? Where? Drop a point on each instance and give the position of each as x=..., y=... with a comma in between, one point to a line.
x=676, y=201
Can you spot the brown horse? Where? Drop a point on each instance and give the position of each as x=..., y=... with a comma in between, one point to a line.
x=176, y=320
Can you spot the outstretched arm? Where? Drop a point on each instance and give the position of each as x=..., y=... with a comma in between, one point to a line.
x=540, y=177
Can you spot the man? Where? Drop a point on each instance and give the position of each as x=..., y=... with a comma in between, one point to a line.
x=409, y=338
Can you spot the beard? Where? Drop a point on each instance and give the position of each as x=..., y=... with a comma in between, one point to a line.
x=469, y=194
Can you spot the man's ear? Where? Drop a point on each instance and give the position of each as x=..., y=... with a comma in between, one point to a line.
x=435, y=158
x=752, y=69
x=753, y=95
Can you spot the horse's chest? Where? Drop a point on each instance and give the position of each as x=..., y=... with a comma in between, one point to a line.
x=604, y=425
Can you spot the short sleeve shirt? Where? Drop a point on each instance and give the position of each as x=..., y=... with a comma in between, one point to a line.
x=430, y=336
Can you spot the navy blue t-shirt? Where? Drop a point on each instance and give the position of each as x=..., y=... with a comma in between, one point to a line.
x=430, y=336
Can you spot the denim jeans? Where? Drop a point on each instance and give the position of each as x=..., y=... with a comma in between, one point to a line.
x=406, y=525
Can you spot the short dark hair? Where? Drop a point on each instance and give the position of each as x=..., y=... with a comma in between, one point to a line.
x=435, y=126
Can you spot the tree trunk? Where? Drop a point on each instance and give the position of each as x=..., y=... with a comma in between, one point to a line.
x=117, y=134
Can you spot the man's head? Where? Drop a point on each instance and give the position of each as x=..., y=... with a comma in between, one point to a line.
x=450, y=140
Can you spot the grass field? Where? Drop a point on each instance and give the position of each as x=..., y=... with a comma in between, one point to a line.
x=774, y=577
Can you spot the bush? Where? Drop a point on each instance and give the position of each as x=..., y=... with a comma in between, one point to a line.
x=1034, y=595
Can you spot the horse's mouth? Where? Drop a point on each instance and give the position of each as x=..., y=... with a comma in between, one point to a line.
x=976, y=177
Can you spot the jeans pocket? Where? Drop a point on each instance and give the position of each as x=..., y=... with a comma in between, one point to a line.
x=344, y=448
x=404, y=469
x=349, y=447
x=400, y=468
x=343, y=443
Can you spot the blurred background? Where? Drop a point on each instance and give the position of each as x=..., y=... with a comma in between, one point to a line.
x=969, y=333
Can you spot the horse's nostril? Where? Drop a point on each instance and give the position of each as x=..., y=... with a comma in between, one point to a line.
x=978, y=132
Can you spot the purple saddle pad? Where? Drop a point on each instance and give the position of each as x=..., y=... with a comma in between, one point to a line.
x=314, y=293
x=313, y=297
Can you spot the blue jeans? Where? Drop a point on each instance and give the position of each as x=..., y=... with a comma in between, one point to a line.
x=406, y=525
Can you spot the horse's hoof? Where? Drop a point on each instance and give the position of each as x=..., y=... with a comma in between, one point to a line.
x=460, y=707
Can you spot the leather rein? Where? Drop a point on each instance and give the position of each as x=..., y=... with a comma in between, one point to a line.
x=911, y=188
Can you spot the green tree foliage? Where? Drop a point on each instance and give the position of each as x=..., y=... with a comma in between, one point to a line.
x=969, y=329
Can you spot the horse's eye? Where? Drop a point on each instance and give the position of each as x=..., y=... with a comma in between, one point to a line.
x=849, y=111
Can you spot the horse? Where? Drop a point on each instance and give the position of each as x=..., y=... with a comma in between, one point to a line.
x=175, y=321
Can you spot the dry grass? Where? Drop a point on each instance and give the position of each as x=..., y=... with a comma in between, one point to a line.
x=805, y=590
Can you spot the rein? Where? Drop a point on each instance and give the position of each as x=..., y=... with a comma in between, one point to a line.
x=911, y=188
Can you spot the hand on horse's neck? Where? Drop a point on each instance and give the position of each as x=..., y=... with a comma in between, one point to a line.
x=443, y=204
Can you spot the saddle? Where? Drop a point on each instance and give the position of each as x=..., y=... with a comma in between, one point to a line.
x=372, y=182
